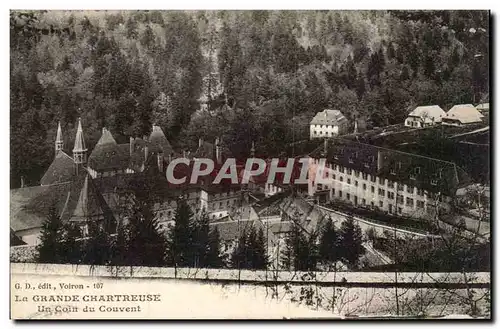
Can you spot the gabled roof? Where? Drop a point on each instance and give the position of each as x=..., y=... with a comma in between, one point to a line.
x=329, y=117
x=62, y=169
x=465, y=113
x=299, y=211
x=430, y=113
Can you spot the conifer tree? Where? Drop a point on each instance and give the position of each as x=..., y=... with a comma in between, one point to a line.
x=119, y=248
x=301, y=250
x=201, y=233
x=351, y=238
x=51, y=239
x=97, y=247
x=180, y=238
x=239, y=254
x=146, y=244
x=71, y=246
x=329, y=245
x=214, y=258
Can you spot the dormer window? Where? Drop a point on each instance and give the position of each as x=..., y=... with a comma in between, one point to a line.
x=399, y=164
x=393, y=171
x=434, y=182
x=367, y=165
x=351, y=160
x=356, y=155
x=371, y=158
x=417, y=170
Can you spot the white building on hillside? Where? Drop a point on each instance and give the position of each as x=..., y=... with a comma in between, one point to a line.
x=462, y=114
x=424, y=116
x=328, y=123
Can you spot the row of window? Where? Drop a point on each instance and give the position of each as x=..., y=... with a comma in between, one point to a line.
x=413, y=174
x=321, y=126
x=327, y=133
x=400, y=200
x=390, y=184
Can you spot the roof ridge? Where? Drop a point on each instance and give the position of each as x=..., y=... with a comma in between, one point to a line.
x=64, y=153
x=407, y=153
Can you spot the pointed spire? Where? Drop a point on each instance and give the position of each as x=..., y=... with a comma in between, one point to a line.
x=252, y=150
x=79, y=141
x=59, y=139
x=79, y=150
x=59, y=133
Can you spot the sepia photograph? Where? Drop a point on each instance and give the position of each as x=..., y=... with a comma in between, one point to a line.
x=250, y=164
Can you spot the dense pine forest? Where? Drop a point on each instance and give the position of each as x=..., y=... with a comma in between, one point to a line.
x=242, y=76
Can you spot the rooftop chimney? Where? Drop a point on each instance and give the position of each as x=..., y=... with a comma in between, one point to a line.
x=355, y=126
x=159, y=159
x=146, y=152
x=131, y=145
x=200, y=142
x=217, y=150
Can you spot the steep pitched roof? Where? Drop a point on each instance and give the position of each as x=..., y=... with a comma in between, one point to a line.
x=109, y=156
x=465, y=113
x=72, y=200
x=90, y=203
x=106, y=138
x=21, y=217
x=62, y=169
x=408, y=168
x=428, y=113
x=158, y=142
x=329, y=117
x=298, y=210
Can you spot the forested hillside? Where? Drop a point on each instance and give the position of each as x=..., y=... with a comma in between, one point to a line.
x=260, y=75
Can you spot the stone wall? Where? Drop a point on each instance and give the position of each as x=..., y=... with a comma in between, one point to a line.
x=23, y=254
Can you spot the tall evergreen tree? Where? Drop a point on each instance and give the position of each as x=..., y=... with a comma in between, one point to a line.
x=146, y=243
x=352, y=239
x=214, y=258
x=51, y=239
x=180, y=238
x=330, y=249
x=201, y=234
x=72, y=244
x=97, y=248
x=301, y=250
x=239, y=254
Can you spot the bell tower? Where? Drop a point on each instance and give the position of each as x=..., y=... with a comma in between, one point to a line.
x=79, y=151
x=59, y=139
